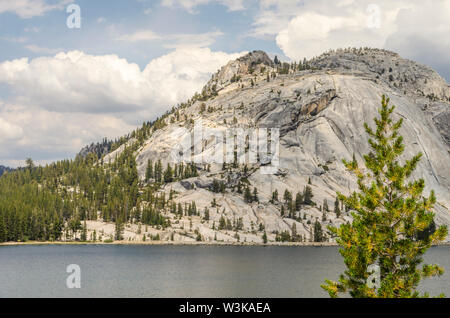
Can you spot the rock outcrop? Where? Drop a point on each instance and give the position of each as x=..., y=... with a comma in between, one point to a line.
x=320, y=113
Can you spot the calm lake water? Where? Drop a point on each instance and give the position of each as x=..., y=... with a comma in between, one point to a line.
x=180, y=271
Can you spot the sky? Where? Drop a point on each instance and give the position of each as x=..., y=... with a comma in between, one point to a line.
x=73, y=72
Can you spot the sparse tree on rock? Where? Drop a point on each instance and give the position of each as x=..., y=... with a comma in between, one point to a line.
x=337, y=210
x=149, y=170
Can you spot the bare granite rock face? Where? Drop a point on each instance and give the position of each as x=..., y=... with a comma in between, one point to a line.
x=440, y=112
x=320, y=114
x=401, y=74
x=253, y=62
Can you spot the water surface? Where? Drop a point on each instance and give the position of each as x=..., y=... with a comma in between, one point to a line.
x=180, y=271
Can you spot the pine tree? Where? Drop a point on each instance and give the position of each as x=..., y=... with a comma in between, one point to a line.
x=274, y=196
x=294, y=232
x=3, y=234
x=264, y=237
x=325, y=206
x=168, y=174
x=222, y=223
x=118, y=230
x=308, y=195
x=389, y=211
x=206, y=216
x=29, y=164
x=318, y=232
x=247, y=195
x=298, y=201
x=149, y=170
x=287, y=196
x=337, y=210
x=291, y=207
x=158, y=171
x=83, y=237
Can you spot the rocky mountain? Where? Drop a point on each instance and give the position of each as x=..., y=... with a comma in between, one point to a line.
x=318, y=108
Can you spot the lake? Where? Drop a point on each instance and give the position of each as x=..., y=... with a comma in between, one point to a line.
x=181, y=271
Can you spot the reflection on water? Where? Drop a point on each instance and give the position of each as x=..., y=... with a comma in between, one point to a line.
x=180, y=271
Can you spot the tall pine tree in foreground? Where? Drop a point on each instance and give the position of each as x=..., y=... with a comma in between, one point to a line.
x=390, y=214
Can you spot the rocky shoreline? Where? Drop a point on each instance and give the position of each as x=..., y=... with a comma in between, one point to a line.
x=164, y=243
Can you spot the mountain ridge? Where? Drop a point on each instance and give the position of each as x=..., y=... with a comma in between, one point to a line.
x=319, y=107
x=161, y=183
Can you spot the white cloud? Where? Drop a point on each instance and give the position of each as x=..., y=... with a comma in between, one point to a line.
x=181, y=73
x=66, y=101
x=78, y=82
x=32, y=29
x=192, y=40
x=234, y=5
x=310, y=34
x=415, y=29
x=44, y=135
x=423, y=35
x=9, y=131
x=75, y=82
x=15, y=39
x=171, y=41
x=41, y=50
x=138, y=36
x=190, y=5
x=273, y=16
x=30, y=8
x=342, y=24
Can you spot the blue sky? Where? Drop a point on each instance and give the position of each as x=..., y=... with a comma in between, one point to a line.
x=62, y=88
x=104, y=21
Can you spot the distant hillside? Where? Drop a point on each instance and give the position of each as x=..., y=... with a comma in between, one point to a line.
x=4, y=169
x=148, y=187
x=100, y=148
